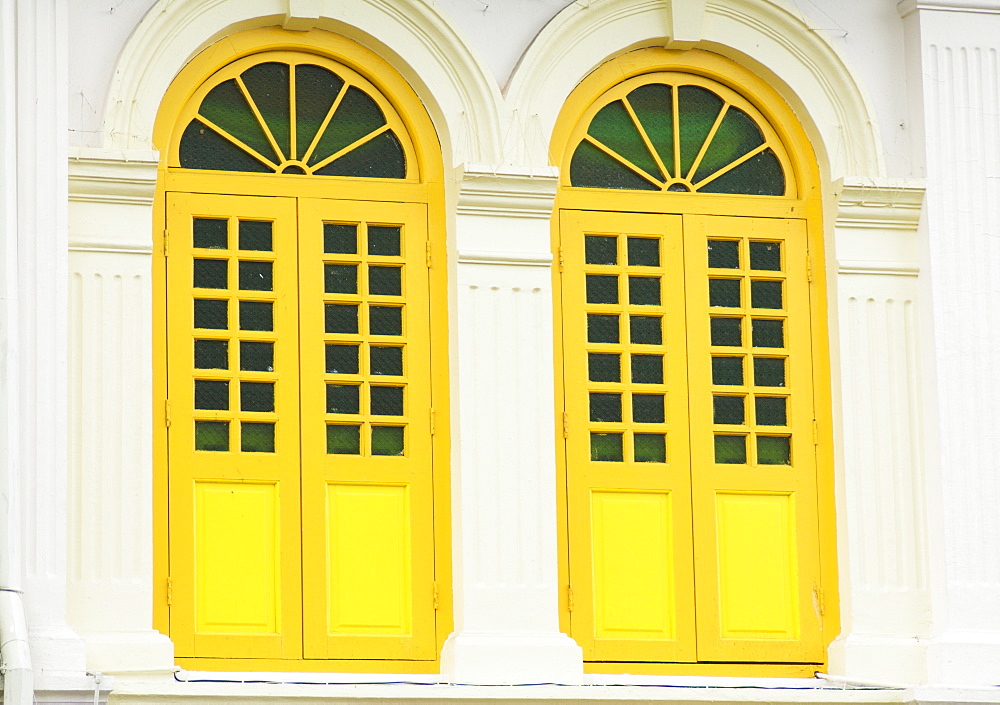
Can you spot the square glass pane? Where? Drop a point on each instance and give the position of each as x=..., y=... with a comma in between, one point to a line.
x=383, y=240
x=769, y=371
x=606, y=447
x=774, y=450
x=385, y=281
x=602, y=289
x=386, y=360
x=343, y=399
x=724, y=254
x=731, y=450
x=341, y=318
x=603, y=367
x=211, y=273
x=724, y=292
x=210, y=394
x=650, y=447
x=646, y=330
x=340, y=278
x=211, y=354
x=644, y=252
x=343, y=439
x=771, y=411
x=256, y=396
x=255, y=235
x=768, y=333
x=605, y=407
x=256, y=437
x=727, y=370
x=211, y=435
x=765, y=256
x=256, y=276
x=211, y=234
x=340, y=239
x=647, y=408
x=602, y=328
x=728, y=410
x=256, y=356
x=601, y=249
x=387, y=401
x=342, y=359
x=765, y=294
x=647, y=369
x=385, y=320
x=256, y=315
x=211, y=313
x=644, y=291
x=727, y=331
x=387, y=440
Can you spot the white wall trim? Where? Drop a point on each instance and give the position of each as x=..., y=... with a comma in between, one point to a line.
x=989, y=7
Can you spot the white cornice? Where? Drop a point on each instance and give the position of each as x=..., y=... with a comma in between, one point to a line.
x=893, y=204
x=506, y=191
x=113, y=176
x=991, y=7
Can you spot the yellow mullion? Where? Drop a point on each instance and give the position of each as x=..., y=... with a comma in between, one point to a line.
x=326, y=121
x=625, y=162
x=675, y=108
x=645, y=138
x=238, y=142
x=352, y=146
x=729, y=167
x=292, y=110
x=707, y=143
x=260, y=118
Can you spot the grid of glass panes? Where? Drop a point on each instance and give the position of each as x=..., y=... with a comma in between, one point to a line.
x=233, y=347
x=748, y=300
x=365, y=342
x=625, y=350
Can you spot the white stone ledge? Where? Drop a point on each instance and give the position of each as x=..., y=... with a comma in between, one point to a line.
x=523, y=259
x=899, y=269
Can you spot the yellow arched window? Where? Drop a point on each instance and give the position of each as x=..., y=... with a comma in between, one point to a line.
x=301, y=355
x=697, y=472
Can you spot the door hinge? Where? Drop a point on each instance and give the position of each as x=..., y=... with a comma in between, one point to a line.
x=436, y=594
x=565, y=424
x=166, y=240
x=166, y=413
x=569, y=598
x=815, y=432
x=433, y=421
x=809, y=268
x=428, y=253
x=170, y=591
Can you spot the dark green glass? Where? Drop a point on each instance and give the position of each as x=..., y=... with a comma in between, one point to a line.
x=606, y=447
x=653, y=105
x=727, y=332
x=256, y=437
x=385, y=281
x=593, y=168
x=343, y=439
x=226, y=107
x=728, y=410
x=211, y=233
x=647, y=408
x=647, y=369
x=343, y=399
x=768, y=333
x=765, y=294
x=211, y=395
x=604, y=367
x=256, y=396
x=256, y=315
x=727, y=370
x=385, y=320
x=644, y=291
x=256, y=276
x=386, y=360
x=774, y=450
x=341, y=318
x=256, y=356
x=771, y=411
x=357, y=115
x=650, y=447
x=211, y=354
x=605, y=407
x=342, y=359
x=387, y=440
x=769, y=372
x=255, y=235
x=211, y=435
x=211, y=273
x=268, y=85
x=724, y=293
x=384, y=240
x=315, y=90
x=386, y=401
x=602, y=328
x=204, y=148
x=646, y=330
x=737, y=135
x=731, y=450
x=723, y=254
x=340, y=278
x=613, y=127
x=697, y=109
x=381, y=157
x=643, y=252
x=760, y=175
x=765, y=256
x=211, y=313
x=602, y=289
x=601, y=249
x=340, y=238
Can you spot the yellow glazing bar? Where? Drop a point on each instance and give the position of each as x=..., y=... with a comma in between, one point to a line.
x=645, y=138
x=292, y=147
x=675, y=106
x=326, y=121
x=732, y=165
x=707, y=143
x=352, y=146
x=615, y=155
x=238, y=142
x=260, y=118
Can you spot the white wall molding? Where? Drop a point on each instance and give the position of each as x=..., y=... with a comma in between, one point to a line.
x=507, y=191
x=907, y=7
x=126, y=177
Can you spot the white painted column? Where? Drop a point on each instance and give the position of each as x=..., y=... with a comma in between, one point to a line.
x=882, y=510
x=955, y=84
x=503, y=468
x=110, y=402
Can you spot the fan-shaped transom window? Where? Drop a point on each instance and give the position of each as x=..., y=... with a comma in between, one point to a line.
x=294, y=116
x=668, y=132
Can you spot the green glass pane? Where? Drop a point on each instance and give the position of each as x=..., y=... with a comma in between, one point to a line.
x=386, y=360
x=357, y=115
x=697, y=110
x=256, y=276
x=644, y=291
x=211, y=435
x=605, y=407
x=601, y=249
x=643, y=252
x=211, y=354
x=724, y=293
x=724, y=254
x=765, y=256
x=647, y=408
x=727, y=370
x=602, y=328
x=343, y=439
x=211, y=395
x=727, y=331
x=340, y=238
x=340, y=278
x=268, y=85
x=602, y=367
x=226, y=107
x=650, y=447
x=211, y=233
x=211, y=313
x=737, y=135
x=211, y=273
x=204, y=148
x=774, y=450
x=731, y=450
x=315, y=90
x=387, y=401
x=384, y=240
x=381, y=157
x=256, y=437
x=771, y=411
x=343, y=399
x=256, y=356
x=590, y=167
x=256, y=396
x=647, y=369
x=761, y=175
x=606, y=447
x=256, y=315
x=387, y=440
x=728, y=410
x=769, y=372
x=768, y=333
x=764, y=294
x=385, y=320
x=645, y=330
x=385, y=281
x=653, y=105
x=341, y=318
x=342, y=359
x=613, y=127
x=255, y=235
x=602, y=289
